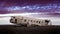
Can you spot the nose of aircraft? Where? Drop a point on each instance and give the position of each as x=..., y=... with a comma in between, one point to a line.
x=11, y=21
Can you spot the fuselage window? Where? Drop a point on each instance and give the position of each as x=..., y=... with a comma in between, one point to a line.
x=39, y=21
x=31, y=20
x=36, y=21
x=47, y=21
x=25, y=20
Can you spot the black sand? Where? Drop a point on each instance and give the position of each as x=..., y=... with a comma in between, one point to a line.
x=13, y=29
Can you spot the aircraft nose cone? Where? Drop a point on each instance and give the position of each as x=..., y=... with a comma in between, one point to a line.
x=11, y=21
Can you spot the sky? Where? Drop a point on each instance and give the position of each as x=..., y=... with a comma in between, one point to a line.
x=20, y=6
